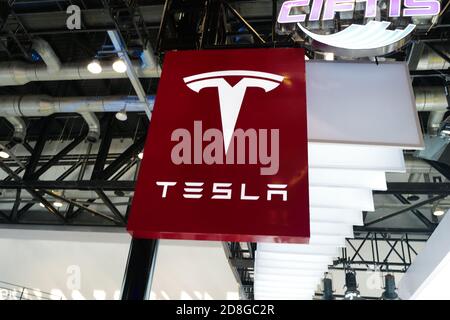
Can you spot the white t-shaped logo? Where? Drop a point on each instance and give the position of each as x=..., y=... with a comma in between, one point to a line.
x=231, y=97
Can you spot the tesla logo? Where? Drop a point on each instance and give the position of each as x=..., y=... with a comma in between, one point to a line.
x=231, y=97
x=228, y=142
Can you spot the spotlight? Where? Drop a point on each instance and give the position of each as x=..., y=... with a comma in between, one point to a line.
x=412, y=197
x=389, y=288
x=141, y=155
x=94, y=67
x=438, y=211
x=352, y=292
x=119, y=66
x=4, y=154
x=121, y=115
x=327, y=287
x=41, y=205
x=57, y=204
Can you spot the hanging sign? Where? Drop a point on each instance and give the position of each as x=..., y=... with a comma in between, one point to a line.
x=382, y=29
x=226, y=152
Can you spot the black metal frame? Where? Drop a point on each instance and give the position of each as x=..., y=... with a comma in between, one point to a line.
x=107, y=170
x=401, y=252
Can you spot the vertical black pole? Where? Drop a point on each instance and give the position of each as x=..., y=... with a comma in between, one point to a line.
x=140, y=267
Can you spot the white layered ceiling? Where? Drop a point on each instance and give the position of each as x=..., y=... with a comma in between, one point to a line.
x=360, y=118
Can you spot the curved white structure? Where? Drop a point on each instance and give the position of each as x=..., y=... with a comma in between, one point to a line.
x=359, y=40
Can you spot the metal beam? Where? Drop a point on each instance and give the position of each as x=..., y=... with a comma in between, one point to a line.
x=417, y=213
x=415, y=206
x=111, y=206
x=255, y=34
x=105, y=144
x=130, y=153
x=121, y=49
x=121, y=185
x=415, y=188
x=35, y=175
x=80, y=205
x=438, y=52
x=35, y=194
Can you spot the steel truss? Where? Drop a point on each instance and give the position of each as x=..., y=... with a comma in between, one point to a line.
x=241, y=258
x=380, y=251
x=24, y=175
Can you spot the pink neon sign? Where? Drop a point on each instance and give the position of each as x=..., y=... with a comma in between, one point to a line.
x=328, y=9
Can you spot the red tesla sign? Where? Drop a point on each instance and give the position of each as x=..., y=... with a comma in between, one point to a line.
x=226, y=152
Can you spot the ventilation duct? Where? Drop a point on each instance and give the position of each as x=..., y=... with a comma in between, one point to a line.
x=14, y=107
x=93, y=125
x=430, y=60
x=20, y=129
x=47, y=54
x=18, y=73
x=433, y=99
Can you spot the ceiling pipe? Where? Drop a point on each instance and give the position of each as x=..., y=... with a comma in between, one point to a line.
x=434, y=121
x=20, y=128
x=47, y=54
x=41, y=105
x=19, y=73
x=93, y=125
x=434, y=100
x=14, y=107
x=431, y=98
x=430, y=60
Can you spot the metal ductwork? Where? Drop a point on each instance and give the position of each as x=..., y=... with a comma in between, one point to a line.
x=41, y=105
x=47, y=54
x=430, y=60
x=93, y=125
x=18, y=73
x=434, y=100
x=431, y=98
x=20, y=129
x=14, y=107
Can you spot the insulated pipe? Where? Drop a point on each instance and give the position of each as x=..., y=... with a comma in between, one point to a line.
x=430, y=60
x=434, y=100
x=47, y=54
x=431, y=98
x=19, y=73
x=93, y=125
x=40, y=105
x=20, y=129
x=434, y=121
x=14, y=107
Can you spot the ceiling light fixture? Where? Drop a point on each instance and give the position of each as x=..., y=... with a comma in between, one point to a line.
x=57, y=204
x=4, y=154
x=119, y=66
x=94, y=67
x=41, y=205
x=438, y=212
x=121, y=115
x=389, y=292
x=352, y=292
